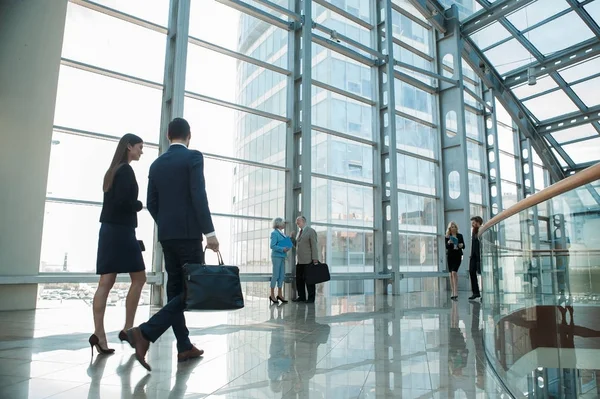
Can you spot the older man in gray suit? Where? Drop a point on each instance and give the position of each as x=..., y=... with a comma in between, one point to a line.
x=307, y=253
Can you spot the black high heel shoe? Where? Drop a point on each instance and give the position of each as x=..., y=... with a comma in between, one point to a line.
x=95, y=342
x=123, y=337
x=273, y=301
x=281, y=299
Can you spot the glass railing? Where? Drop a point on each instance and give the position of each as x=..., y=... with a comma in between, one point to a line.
x=541, y=291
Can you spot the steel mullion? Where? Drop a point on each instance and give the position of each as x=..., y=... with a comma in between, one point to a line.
x=399, y=10
x=120, y=15
x=110, y=74
x=353, y=54
x=414, y=82
x=279, y=9
x=570, y=120
x=424, y=72
x=237, y=55
x=435, y=18
x=243, y=161
x=343, y=180
x=94, y=135
x=343, y=226
x=343, y=135
x=477, y=98
x=346, y=39
x=412, y=49
x=577, y=140
x=342, y=92
x=344, y=13
x=256, y=13
x=415, y=119
x=417, y=156
x=418, y=194
x=237, y=107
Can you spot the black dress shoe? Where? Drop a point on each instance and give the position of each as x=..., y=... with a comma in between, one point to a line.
x=474, y=297
x=299, y=300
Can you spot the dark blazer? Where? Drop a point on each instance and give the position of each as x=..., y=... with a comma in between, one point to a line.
x=121, y=203
x=450, y=247
x=177, y=195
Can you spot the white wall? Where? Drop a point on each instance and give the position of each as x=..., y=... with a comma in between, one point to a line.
x=31, y=34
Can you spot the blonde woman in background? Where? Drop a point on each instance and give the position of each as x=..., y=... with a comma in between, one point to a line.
x=455, y=244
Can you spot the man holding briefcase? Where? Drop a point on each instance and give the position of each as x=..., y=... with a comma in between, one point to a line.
x=178, y=203
x=307, y=254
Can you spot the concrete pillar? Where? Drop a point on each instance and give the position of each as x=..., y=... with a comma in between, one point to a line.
x=31, y=35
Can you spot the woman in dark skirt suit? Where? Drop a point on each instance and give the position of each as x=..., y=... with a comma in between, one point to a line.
x=455, y=244
x=118, y=248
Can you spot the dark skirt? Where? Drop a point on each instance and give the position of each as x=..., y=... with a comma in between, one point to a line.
x=118, y=250
x=454, y=261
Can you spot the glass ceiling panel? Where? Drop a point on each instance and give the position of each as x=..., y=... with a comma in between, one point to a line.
x=508, y=56
x=584, y=151
x=490, y=35
x=553, y=36
x=551, y=105
x=575, y=133
x=544, y=84
x=594, y=10
x=581, y=71
x=588, y=91
x=536, y=12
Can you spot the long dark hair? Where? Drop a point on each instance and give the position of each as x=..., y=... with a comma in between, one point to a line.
x=120, y=158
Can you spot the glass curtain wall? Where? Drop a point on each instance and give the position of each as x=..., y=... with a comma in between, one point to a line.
x=236, y=84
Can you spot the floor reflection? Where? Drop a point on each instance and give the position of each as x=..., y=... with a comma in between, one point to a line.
x=411, y=346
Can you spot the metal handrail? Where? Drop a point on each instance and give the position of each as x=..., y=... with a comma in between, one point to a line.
x=582, y=178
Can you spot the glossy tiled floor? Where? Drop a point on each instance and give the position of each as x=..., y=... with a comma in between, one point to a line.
x=409, y=346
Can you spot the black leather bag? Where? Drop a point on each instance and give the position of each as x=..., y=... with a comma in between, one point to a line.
x=316, y=274
x=210, y=288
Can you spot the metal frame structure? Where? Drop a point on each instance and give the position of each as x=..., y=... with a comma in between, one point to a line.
x=451, y=37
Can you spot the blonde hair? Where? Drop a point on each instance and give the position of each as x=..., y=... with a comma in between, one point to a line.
x=448, y=232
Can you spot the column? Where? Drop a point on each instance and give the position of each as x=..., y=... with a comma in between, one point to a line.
x=172, y=107
x=386, y=160
x=453, y=135
x=30, y=52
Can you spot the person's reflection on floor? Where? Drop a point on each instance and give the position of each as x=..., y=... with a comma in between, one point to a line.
x=96, y=371
x=308, y=336
x=124, y=371
x=477, y=335
x=279, y=364
x=458, y=356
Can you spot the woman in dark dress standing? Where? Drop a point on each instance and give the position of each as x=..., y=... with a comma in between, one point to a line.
x=118, y=248
x=455, y=244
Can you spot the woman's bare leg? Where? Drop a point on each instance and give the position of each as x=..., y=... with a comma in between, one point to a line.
x=99, y=305
x=138, y=279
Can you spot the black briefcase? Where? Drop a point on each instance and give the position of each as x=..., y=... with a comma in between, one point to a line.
x=210, y=288
x=316, y=274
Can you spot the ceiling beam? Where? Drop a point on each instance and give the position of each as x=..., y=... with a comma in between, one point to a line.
x=560, y=60
x=570, y=120
x=486, y=17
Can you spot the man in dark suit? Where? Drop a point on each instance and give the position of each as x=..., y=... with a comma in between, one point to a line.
x=178, y=203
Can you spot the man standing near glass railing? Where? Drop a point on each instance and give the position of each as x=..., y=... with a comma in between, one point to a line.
x=475, y=260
